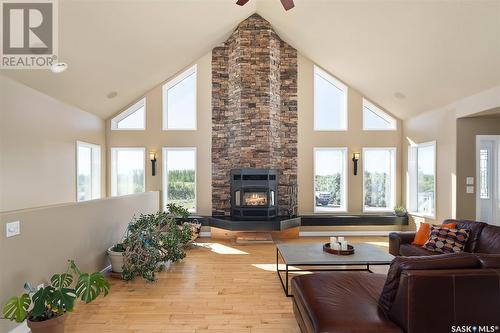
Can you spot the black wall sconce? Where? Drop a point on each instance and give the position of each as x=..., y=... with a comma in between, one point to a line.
x=152, y=157
x=355, y=159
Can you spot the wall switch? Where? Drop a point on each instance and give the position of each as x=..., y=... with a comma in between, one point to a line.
x=12, y=228
x=470, y=189
x=469, y=180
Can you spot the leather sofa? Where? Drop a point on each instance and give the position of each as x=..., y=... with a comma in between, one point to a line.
x=419, y=295
x=483, y=238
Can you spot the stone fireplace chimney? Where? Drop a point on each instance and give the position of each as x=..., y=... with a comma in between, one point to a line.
x=254, y=109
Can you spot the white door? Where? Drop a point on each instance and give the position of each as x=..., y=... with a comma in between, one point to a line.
x=488, y=178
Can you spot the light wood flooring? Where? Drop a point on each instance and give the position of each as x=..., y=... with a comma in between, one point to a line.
x=220, y=287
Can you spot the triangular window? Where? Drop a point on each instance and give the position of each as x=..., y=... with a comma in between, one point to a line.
x=134, y=118
x=374, y=119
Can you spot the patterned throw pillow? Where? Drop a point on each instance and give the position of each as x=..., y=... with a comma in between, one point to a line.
x=447, y=240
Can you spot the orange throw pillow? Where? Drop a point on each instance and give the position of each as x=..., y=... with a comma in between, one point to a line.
x=424, y=231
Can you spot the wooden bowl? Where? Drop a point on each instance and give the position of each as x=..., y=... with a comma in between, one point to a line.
x=350, y=250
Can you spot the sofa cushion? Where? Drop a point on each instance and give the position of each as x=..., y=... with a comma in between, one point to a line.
x=475, y=232
x=489, y=260
x=400, y=264
x=446, y=240
x=336, y=302
x=409, y=250
x=489, y=241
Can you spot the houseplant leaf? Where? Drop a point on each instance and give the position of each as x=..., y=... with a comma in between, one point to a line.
x=63, y=299
x=42, y=297
x=61, y=280
x=16, y=308
x=89, y=286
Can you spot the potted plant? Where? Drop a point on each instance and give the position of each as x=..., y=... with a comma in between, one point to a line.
x=153, y=240
x=45, y=308
x=115, y=254
x=400, y=211
x=181, y=214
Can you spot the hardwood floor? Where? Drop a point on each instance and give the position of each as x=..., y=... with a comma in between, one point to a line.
x=220, y=287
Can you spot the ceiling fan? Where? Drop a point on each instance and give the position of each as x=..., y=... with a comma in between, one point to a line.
x=287, y=4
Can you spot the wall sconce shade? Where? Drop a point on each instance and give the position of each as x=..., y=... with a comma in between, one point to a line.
x=152, y=157
x=355, y=159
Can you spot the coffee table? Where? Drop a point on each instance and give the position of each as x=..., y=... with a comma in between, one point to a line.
x=312, y=255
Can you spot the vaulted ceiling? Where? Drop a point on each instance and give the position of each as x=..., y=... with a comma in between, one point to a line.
x=407, y=56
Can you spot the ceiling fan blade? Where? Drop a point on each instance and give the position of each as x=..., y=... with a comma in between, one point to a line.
x=241, y=2
x=287, y=4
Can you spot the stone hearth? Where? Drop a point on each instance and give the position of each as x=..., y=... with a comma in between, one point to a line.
x=254, y=110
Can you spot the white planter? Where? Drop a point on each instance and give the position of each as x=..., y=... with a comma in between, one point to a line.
x=116, y=260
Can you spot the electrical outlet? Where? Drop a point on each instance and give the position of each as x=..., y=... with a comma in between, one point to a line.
x=12, y=228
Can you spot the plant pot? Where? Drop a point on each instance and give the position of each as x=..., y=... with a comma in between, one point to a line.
x=400, y=214
x=116, y=260
x=54, y=325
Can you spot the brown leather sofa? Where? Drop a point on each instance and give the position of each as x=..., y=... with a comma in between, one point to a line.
x=483, y=238
x=419, y=295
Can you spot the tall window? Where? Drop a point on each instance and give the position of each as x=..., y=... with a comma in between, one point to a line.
x=179, y=177
x=379, y=179
x=179, y=102
x=134, y=118
x=422, y=177
x=127, y=171
x=374, y=119
x=330, y=180
x=88, y=171
x=330, y=102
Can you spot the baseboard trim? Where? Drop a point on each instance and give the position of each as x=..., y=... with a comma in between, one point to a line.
x=344, y=233
x=106, y=269
x=21, y=328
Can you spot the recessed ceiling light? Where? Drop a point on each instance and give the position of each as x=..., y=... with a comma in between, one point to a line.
x=399, y=95
x=112, y=94
x=59, y=67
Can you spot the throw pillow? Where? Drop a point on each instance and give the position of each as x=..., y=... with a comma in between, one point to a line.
x=424, y=231
x=446, y=240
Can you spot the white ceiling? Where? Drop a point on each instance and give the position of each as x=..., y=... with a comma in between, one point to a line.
x=433, y=52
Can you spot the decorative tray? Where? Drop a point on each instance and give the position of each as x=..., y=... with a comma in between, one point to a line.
x=327, y=248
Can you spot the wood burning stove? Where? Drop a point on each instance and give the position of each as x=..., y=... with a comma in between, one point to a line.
x=254, y=193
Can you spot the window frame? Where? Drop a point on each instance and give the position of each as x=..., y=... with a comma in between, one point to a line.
x=380, y=113
x=344, y=208
x=128, y=111
x=164, y=180
x=339, y=85
x=393, y=179
x=413, y=178
x=113, y=168
x=172, y=83
x=93, y=173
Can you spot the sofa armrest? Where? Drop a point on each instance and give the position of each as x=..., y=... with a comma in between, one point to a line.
x=398, y=238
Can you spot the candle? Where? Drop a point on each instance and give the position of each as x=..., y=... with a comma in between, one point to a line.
x=340, y=239
x=336, y=246
x=333, y=240
x=343, y=245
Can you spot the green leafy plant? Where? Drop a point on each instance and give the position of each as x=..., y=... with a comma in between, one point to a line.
x=58, y=297
x=152, y=240
x=400, y=211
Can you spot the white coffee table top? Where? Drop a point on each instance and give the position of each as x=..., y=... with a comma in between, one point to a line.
x=312, y=254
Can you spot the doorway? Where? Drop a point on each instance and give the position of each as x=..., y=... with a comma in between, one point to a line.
x=488, y=178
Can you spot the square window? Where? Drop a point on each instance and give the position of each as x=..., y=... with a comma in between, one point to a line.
x=379, y=179
x=127, y=171
x=88, y=171
x=422, y=179
x=179, y=177
x=330, y=180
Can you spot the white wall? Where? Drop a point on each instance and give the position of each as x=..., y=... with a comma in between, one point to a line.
x=38, y=137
